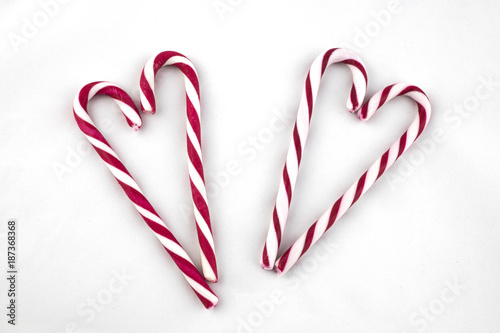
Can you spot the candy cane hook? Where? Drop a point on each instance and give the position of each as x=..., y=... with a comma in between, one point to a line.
x=335, y=212
x=195, y=164
x=300, y=132
x=135, y=194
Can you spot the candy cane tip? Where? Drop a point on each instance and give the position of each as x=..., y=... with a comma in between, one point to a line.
x=362, y=116
x=266, y=267
x=265, y=261
x=149, y=111
x=213, y=305
x=136, y=127
x=278, y=270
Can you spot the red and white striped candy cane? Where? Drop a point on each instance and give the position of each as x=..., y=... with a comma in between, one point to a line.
x=115, y=165
x=300, y=132
x=304, y=242
x=195, y=165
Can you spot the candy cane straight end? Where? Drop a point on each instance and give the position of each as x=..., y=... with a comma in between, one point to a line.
x=148, y=111
x=280, y=266
x=209, y=267
x=266, y=267
x=213, y=305
x=146, y=107
x=209, y=274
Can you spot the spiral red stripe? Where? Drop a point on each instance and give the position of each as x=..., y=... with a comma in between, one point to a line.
x=196, y=175
x=131, y=188
x=304, y=242
x=300, y=132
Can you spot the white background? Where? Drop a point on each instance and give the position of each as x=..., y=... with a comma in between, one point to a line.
x=431, y=221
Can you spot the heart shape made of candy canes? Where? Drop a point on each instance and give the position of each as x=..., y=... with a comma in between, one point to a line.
x=293, y=159
x=131, y=188
x=193, y=132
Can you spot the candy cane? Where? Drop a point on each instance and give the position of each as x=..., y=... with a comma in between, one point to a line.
x=318, y=229
x=300, y=132
x=198, y=190
x=115, y=165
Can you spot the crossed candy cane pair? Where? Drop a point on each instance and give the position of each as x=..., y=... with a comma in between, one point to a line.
x=300, y=132
x=133, y=191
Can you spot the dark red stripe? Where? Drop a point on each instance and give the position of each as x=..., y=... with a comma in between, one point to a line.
x=162, y=58
x=148, y=93
x=89, y=129
x=422, y=115
x=354, y=97
x=383, y=164
x=138, y=198
x=201, y=205
x=309, y=95
x=410, y=89
x=190, y=73
x=288, y=186
x=364, y=110
x=309, y=238
x=359, y=188
x=402, y=144
x=265, y=257
x=119, y=94
x=193, y=118
x=83, y=95
x=110, y=159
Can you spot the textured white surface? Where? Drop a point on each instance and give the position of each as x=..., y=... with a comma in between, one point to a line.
x=388, y=261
